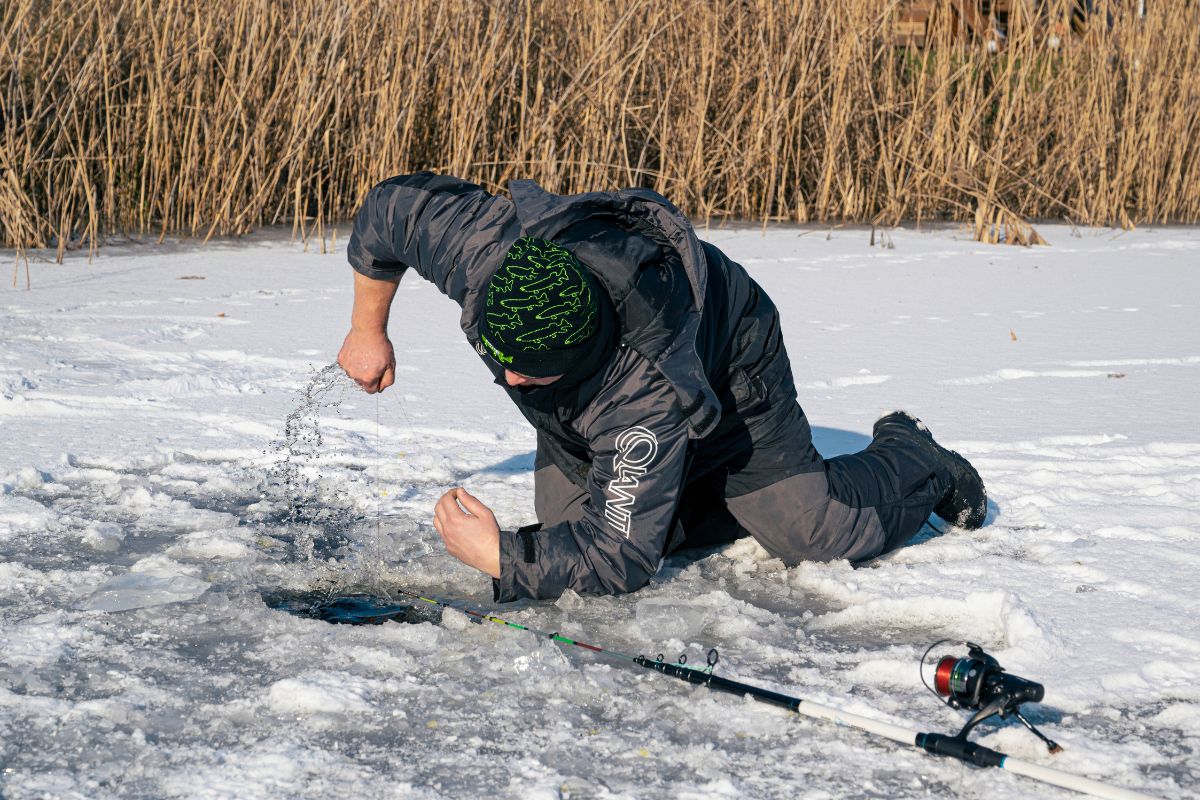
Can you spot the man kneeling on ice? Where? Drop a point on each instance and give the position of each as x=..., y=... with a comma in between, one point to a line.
x=653, y=368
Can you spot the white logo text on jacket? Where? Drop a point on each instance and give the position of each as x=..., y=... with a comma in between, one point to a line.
x=636, y=449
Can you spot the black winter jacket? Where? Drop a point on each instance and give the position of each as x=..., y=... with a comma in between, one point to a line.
x=689, y=389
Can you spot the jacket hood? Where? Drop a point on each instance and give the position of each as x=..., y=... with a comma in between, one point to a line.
x=665, y=336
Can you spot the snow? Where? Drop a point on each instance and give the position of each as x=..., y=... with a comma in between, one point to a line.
x=152, y=501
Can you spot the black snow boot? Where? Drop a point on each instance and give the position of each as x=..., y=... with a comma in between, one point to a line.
x=965, y=502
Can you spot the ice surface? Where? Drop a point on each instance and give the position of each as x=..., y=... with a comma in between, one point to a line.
x=147, y=456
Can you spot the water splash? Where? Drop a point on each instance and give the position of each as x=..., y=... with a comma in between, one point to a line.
x=316, y=508
x=329, y=510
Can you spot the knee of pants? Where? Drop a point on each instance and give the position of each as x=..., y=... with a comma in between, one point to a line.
x=796, y=520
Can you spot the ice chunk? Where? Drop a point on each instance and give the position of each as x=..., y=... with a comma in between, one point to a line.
x=319, y=693
x=26, y=478
x=38, y=643
x=203, y=545
x=105, y=537
x=140, y=590
x=673, y=617
x=163, y=566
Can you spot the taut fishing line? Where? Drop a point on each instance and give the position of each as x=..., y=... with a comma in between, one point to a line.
x=377, y=484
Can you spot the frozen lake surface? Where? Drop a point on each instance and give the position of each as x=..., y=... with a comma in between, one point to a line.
x=158, y=520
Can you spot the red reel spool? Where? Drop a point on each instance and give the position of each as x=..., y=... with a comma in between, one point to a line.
x=941, y=678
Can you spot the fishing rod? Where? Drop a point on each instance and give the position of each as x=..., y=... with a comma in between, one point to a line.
x=975, y=682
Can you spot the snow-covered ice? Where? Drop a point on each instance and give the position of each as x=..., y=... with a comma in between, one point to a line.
x=149, y=513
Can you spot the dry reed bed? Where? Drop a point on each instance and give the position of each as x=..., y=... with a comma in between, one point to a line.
x=157, y=116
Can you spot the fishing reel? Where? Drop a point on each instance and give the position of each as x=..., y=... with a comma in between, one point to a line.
x=977, y=683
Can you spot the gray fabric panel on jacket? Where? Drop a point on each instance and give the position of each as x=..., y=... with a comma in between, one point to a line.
x=796, y=520
x=555, y=498
x=575, y=466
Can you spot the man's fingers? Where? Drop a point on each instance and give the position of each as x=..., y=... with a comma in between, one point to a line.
x=439, y=521
x=447, y=507
x=472, y=538
x=362, y=376
x=471, y=503
x=369, y=361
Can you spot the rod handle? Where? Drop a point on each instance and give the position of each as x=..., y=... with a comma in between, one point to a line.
x=954, y=747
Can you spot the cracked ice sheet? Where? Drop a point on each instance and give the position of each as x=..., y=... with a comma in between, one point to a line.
x=138, y=414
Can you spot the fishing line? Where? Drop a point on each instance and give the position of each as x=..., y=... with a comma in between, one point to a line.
x=378, y=472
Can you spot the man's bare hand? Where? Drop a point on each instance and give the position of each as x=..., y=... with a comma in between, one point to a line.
x=469, y=529
x=369, y=360
x=367, y=354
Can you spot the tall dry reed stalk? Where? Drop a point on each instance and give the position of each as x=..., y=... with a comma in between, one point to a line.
x=174, y=116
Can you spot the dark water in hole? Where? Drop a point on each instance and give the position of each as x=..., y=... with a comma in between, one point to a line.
x=351, y=609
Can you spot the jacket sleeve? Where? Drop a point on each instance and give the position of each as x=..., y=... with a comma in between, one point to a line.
x=438, y=225
x=634, y=485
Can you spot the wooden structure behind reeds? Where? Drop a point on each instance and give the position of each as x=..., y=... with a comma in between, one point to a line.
x=990, y=21
x=176, y=117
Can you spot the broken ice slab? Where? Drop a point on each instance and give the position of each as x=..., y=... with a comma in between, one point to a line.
x=673, y=617
x=139, y=590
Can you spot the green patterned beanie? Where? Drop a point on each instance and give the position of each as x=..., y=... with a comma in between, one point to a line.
x=541, y=307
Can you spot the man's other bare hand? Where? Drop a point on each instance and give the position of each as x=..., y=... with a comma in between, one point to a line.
x=469, y=529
